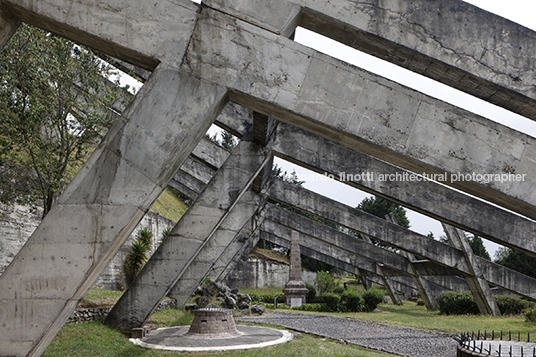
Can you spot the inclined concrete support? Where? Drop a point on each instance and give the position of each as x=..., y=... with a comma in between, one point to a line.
x=427, y=197
x=198, y=238
x=399, y=237
x=142, y=34
x=221, y=248
x=422, y=36
x=101, y=207
x=422, y=285
x=476, y=281
x=395, y=298
x=405, y=127
x=8, y=26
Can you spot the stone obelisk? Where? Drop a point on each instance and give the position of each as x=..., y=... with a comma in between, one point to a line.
x=295, y=290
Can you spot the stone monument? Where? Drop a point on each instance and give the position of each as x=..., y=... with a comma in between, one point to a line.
x=295, y=290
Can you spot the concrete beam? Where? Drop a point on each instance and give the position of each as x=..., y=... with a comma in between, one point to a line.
x=8, y=25
x=399, y=237
x=101, y=206
x=197, y=240
x=404, y=127
x=142, y=34
x=279, y=236
x=478, y=285
x=488, y=57
x=427, y=197
x=210, y=153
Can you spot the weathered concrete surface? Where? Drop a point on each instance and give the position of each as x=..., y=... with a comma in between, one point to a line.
x=399, y=237
x=8, y=26
x=219, y=250
x=450, y=41
x=210, y=153
x=100, y=208
x=475, y=280
x=141, y=33
x=195, y=233
x=427, y=197
x=300, y=86
x=422, y=285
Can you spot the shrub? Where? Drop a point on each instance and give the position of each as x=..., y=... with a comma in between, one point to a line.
x=457, y=303
x=420, y=302
x=137, y=255
x=269, y=298
x=331, y=300
x=339, y=290
x=310, y=307
x=373, y=297
x=352, y=301
x=311, y=295
x=530, y=315
x=325, y=282
x=509, y=305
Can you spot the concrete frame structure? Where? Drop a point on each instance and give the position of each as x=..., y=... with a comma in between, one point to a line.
x=202, y=57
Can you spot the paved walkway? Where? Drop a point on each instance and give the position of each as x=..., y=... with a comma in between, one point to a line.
x=396, y=340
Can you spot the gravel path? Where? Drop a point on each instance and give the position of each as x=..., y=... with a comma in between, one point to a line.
x=396, y=340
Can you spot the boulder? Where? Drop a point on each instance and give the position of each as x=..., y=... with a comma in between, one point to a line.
x=258, y=309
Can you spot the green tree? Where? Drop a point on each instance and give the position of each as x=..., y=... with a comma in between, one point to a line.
x=54, y=103
x=228, y=141
x=516, y=261
x=380, y=207
x=477, y=245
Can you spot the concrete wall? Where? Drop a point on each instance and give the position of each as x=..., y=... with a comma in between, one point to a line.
x=20, y=222
x=253, y=273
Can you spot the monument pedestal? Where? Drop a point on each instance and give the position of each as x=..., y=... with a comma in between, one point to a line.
x=295, y=290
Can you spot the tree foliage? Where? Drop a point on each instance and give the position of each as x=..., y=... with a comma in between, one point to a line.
x=380, y=207
x=54, y=103
x=516, y=261
x=477, y=245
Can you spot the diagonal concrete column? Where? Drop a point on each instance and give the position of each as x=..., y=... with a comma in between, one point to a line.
x=195, y=234
x=422, y=285
x=476, y=281
x=221, y=248
x=8, y=26
x=101, y=207
x=397, y=300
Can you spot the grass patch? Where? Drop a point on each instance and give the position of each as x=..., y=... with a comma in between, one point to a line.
x=169, y=206
x=93, y=339
x=270, y=255
x=97, y=297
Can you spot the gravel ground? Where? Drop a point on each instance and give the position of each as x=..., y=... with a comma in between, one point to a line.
x=396, y=340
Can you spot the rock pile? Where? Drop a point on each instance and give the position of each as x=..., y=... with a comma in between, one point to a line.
x=218, y=295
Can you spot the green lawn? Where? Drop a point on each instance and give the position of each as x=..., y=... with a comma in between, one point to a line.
x=93, y=339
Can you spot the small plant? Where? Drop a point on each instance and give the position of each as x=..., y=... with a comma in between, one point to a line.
x=339, y=290
x=311, y=295
x=165, y=233
x=530, y=315
x=509, y=305
x=331, y=300
x=373, y=297
x=457, y=303
x=420, y=302
x=137, y=255
x=352, y=301
x=325, y=282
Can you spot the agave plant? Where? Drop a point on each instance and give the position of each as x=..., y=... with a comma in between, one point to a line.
x=137, y=255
